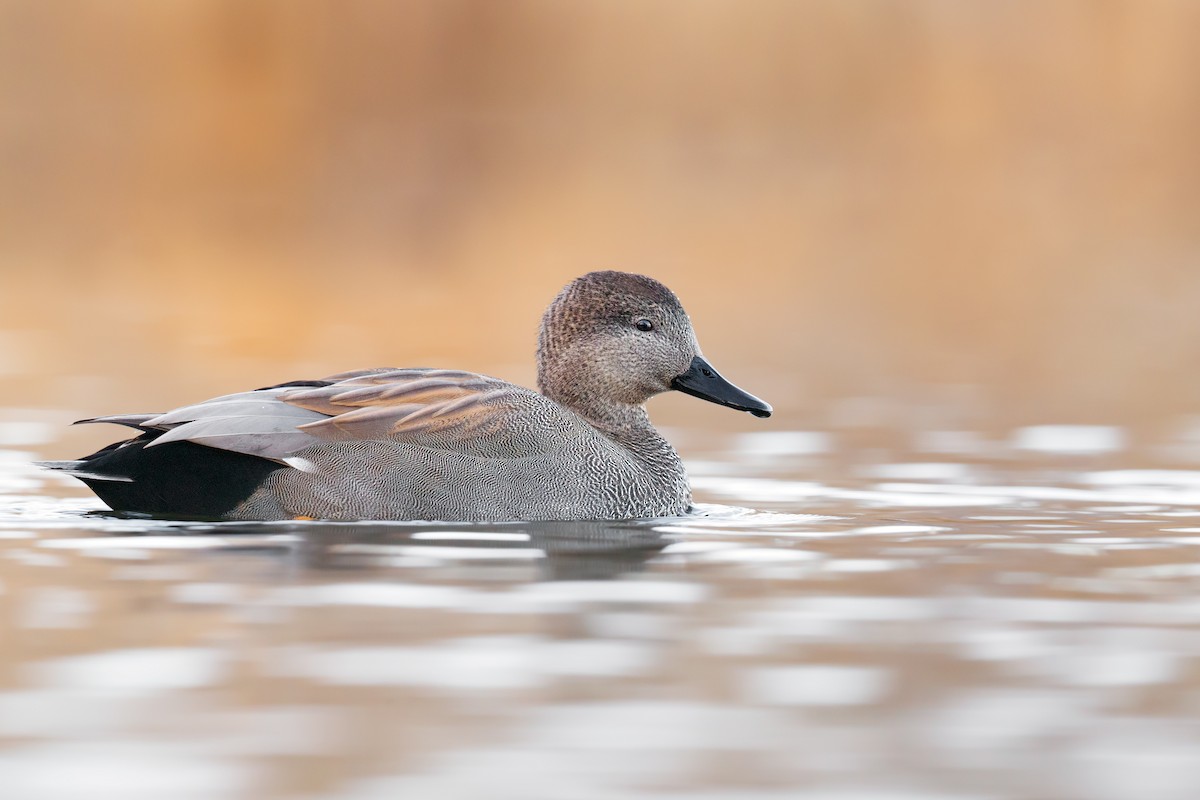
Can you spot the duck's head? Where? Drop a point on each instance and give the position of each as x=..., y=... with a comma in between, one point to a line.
x=618, y=338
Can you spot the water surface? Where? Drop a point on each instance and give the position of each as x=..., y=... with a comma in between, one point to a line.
x=932, y=614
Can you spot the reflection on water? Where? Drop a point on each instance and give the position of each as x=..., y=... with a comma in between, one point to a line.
x=968, y=616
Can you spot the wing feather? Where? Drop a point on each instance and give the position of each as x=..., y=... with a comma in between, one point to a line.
x=375, y=422
x=273, y=437
x=139, y=421
x=262, y=406
x=445, y=409
x=442, y=409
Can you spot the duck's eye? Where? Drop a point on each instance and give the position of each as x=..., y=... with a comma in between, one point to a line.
x=644, y=325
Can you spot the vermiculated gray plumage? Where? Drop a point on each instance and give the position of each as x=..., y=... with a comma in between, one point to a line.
x=426, y=444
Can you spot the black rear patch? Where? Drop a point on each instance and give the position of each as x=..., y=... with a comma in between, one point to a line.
x=177, y=479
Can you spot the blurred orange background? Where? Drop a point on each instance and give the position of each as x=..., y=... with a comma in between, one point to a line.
x=921, y=199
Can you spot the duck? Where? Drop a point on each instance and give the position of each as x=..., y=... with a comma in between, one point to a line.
x=439, y=444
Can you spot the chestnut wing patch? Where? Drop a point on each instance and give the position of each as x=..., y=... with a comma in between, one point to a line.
x=445, y=409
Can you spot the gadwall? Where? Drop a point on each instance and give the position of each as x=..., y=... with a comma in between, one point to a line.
x=431, y=444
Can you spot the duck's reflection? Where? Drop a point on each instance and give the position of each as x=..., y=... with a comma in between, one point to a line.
x=594, y=550
x=555, y=550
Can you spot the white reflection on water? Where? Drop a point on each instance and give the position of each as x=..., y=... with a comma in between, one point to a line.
x=770, y=490
x=24, y=433
x=1070, y=439
x=387, y=595
x=891, y=530
x=1117, y=666
x=867, y=565
x=741, y=555
x=784, y=444
x=206, y=593
x=1144, y=477
x=639, y=592
x=129, y=769
x=140, y=671
x=815, y=685
x=478, y=663
x=1011, y=494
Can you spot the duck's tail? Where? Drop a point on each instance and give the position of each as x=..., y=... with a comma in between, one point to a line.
x=178, y=479
x=80, y=468
x=91, y=468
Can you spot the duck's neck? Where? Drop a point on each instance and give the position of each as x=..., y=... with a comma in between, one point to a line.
x=630, y=427
x=624, y=423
